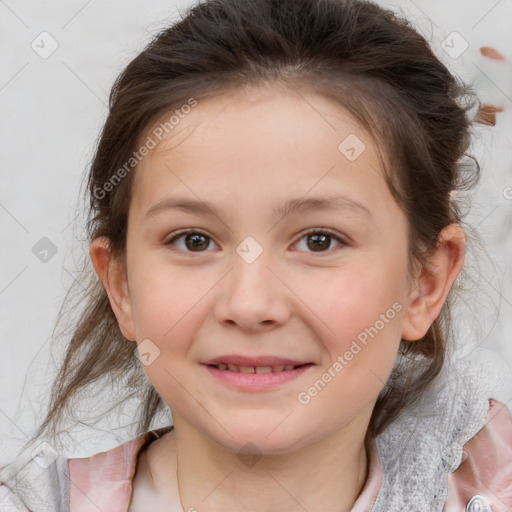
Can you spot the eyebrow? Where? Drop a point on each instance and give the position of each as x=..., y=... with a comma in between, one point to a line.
x=293, y=206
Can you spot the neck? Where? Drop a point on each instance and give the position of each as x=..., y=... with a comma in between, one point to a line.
x=327, y=475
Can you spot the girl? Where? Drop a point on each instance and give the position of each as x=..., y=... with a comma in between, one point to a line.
x=275, y=236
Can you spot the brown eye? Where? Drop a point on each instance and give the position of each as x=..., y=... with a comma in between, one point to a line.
x=320, y=240
x=194, y=241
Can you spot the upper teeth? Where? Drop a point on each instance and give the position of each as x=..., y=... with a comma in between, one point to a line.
x=254, y=369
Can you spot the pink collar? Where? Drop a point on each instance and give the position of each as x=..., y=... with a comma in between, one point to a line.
x=104, y=480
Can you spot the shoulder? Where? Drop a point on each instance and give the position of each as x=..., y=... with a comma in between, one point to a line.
x=106, y=478
x=35, y=482
x=484, y=474
x=44, y=481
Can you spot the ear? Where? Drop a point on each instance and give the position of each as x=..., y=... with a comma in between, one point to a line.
x=426, y=301
x=112, y=274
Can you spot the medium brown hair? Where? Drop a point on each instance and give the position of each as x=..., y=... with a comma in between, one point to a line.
x=367, y=59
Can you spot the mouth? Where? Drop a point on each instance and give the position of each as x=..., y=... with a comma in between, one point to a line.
x=257, y=369
x=255, y=374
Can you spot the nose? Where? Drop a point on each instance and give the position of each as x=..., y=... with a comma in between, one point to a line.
x=252, y=296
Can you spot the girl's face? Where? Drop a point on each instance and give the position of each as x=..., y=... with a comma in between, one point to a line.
x=265, y=174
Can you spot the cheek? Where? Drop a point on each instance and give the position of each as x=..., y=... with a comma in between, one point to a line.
x=166, y=306
x=355, y=303
x=361, y=352
x=363, y=319
x=164, y=299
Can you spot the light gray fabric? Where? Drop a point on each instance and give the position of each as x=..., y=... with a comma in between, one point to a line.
x=417, y=451
x=27, y=485
x=420, y=449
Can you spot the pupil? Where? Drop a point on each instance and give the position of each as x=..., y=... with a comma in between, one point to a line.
x=318, y=240
x=196, y=241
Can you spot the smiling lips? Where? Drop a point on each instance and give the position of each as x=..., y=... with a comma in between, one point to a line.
x=255, y=369
x=260, y=364
x=245, y=373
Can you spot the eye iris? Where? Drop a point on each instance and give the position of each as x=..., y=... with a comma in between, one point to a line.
x=198, y=241
x=318, y=240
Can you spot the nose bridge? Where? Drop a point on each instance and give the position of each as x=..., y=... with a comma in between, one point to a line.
x=253, y=295
x=251, y=273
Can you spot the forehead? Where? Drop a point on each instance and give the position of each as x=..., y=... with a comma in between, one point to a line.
x=259, y=143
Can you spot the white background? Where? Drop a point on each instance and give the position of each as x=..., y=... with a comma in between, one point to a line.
x=51, y=113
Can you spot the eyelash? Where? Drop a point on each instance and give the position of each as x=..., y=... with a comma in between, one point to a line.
x=311, y=231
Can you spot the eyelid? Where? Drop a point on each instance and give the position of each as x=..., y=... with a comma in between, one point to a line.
x=186, y=231
x=326, y=231
x=334, y=234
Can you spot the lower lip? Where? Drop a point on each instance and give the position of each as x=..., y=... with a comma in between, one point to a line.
x=256, y=381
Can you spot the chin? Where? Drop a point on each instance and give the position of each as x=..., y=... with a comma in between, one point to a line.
x=260, y=437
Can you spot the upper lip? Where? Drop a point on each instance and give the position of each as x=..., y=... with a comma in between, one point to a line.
x=240, y=360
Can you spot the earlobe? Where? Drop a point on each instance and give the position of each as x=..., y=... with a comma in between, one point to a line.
x=112, y=275
x=434, y=283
